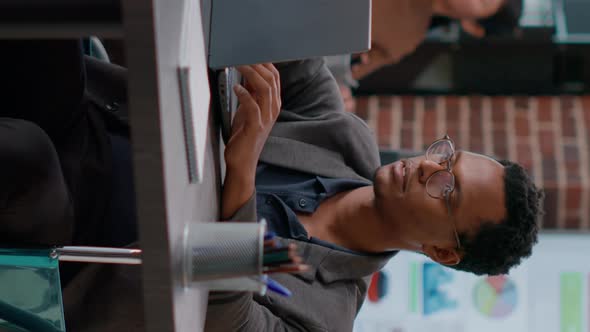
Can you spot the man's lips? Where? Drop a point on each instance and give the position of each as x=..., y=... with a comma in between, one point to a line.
x=398, y=174
x=405, y=176
x=407, y=171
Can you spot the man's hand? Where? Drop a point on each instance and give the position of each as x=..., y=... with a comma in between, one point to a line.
x=260, y=104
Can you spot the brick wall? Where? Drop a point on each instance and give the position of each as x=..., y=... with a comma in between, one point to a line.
x=548, y=135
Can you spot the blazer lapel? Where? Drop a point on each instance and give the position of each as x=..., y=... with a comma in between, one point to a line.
x=300, y=156
x=312, y=255
x=331, y=265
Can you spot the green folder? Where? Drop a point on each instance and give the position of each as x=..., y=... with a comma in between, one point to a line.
x=30, y=291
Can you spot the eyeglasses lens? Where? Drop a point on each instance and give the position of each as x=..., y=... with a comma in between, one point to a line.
x=439, y=152
x=439, y=183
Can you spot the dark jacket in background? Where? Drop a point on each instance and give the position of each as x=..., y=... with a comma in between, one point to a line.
x=44, y=81
x=74, y=100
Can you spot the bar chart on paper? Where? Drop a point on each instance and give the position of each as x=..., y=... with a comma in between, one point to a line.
x=571, y=300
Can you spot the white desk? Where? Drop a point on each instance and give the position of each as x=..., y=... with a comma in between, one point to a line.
x=165, y=197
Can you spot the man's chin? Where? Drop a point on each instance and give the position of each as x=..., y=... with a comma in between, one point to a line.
x=377, y=178
x=379, y=182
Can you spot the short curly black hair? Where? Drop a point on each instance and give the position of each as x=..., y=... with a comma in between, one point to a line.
x=496, y=248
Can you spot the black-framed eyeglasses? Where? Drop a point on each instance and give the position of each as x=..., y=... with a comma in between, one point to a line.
x=441, y=184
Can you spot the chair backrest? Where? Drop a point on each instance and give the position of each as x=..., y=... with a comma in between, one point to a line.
x=30, y=291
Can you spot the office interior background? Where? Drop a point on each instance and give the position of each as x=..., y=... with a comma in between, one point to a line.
x=523, y=97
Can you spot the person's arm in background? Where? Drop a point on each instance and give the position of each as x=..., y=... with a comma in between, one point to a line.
x=397, y=28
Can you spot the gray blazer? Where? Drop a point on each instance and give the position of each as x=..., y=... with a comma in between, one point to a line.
x=313, y=134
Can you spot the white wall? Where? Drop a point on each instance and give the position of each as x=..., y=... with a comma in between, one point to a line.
x=558, y=261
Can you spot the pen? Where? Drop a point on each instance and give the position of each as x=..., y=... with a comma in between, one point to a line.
x=272, y=285
x=277, y=288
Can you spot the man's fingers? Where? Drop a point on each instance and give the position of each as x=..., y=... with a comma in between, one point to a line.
x=247, y=102
x=255, y=80
x=271, y=75
x=244, y=97
x=262, y=89
x=276, y=74
x=267, y=75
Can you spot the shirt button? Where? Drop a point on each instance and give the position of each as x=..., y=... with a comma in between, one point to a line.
x=302, y=202
x=268, y=201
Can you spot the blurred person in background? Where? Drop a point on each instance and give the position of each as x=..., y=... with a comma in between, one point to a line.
x=399, y=26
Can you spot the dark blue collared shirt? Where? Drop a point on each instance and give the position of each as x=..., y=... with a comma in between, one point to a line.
x=281, y=193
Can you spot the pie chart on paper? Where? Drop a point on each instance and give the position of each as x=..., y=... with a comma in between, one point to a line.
x=495, y=297
x=378, y=287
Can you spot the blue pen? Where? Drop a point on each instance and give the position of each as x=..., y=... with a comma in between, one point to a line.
x=277, y=288
x=269, y=235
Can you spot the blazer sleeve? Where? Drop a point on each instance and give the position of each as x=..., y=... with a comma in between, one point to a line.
x=237, y=311
x=308, y=90
x=313, y=115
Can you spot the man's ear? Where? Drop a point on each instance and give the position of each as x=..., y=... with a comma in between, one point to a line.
x=443, y=256
x=473, y=28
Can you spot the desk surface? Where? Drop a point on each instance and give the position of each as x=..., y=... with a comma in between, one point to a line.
x=166, y=199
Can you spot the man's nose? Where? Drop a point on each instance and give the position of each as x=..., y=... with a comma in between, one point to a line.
x=426, y=168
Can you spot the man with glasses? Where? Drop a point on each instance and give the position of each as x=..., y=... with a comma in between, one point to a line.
x=315, y=176
x=294, y=157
